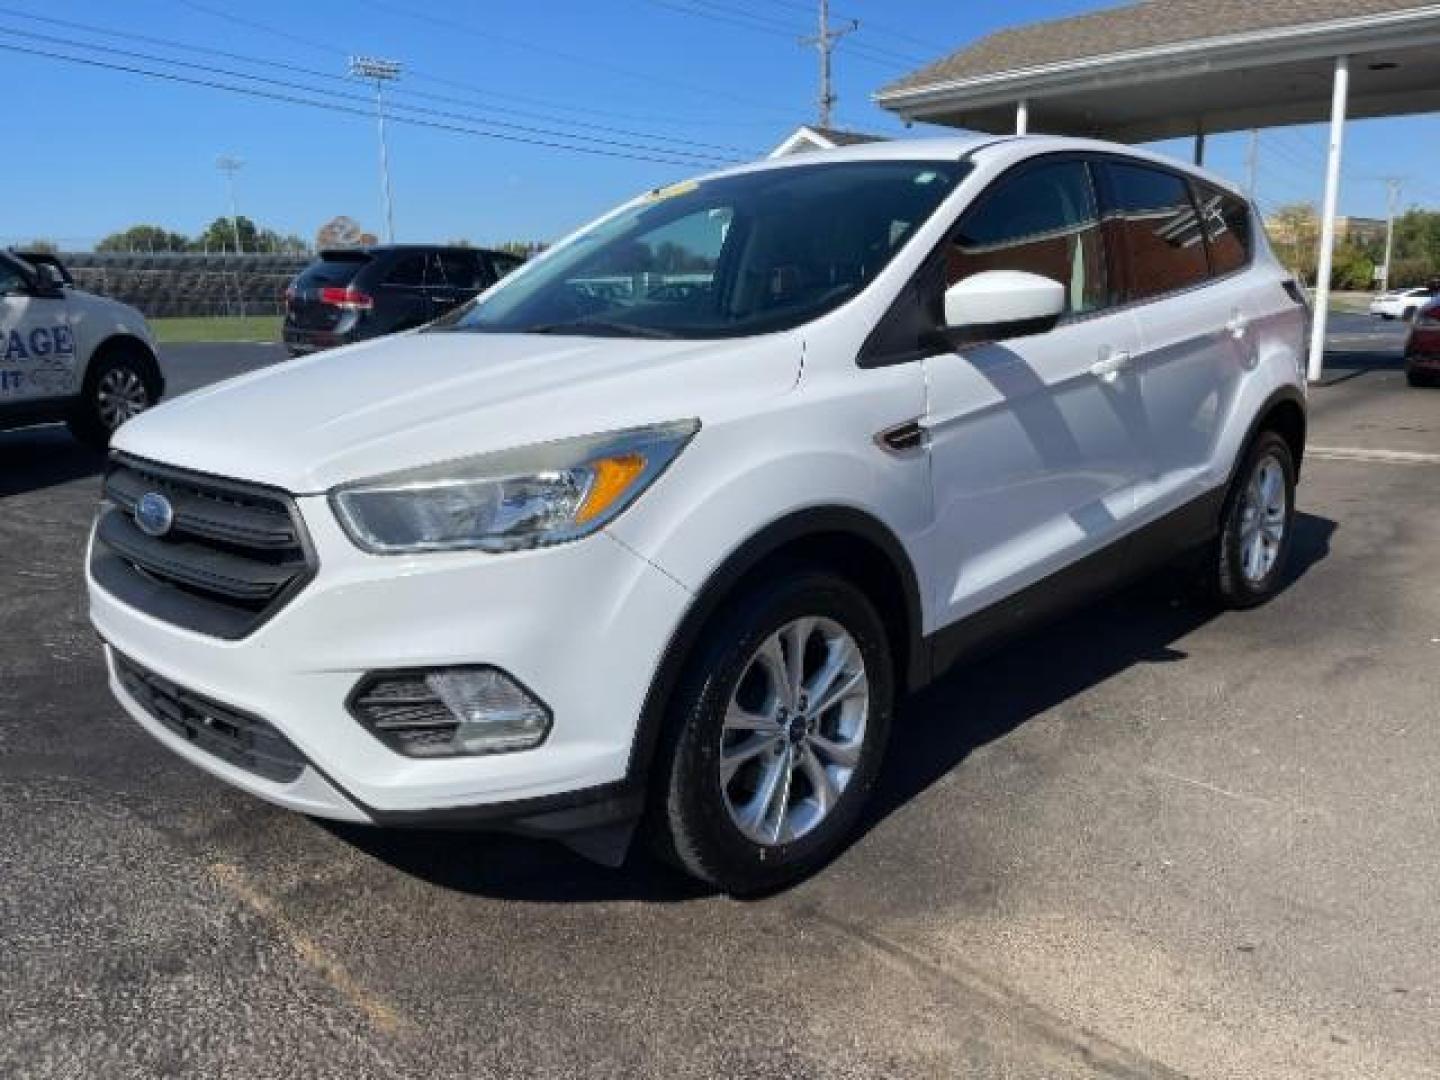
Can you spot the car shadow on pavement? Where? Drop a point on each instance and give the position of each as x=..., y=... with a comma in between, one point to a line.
x=986, y=698
x=975, y=704
x=1341, y=367
x=32, y=459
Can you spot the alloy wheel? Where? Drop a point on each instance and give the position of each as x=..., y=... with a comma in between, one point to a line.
x=1263, y=517
x=794, y=730
x=120, y=395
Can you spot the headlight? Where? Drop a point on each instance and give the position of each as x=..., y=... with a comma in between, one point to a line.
x=536, y=495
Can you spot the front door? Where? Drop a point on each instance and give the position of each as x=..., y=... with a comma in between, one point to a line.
x=37, y=343
x=1033, y=440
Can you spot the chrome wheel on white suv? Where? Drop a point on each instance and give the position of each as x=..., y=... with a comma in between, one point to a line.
x=777, y=733
x=794, y=731
x=1256, y=529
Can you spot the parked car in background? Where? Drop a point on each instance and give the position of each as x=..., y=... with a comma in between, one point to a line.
x=350, y=294
x=657, y=531
x=1422, y=347
x=70, y=356
x=1401, y=303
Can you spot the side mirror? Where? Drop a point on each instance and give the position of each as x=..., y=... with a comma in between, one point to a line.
x=1003, y=303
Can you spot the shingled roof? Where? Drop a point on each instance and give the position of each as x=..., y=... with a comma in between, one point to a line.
x=1145, y=25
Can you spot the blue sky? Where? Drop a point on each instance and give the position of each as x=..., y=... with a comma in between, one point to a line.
x=90, y=151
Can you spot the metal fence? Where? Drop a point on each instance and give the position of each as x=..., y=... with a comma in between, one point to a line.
x=161, y=285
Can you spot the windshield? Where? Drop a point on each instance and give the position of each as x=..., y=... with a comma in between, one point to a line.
x=728, y=257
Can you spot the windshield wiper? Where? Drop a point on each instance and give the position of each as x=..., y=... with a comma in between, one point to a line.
x=599, y=327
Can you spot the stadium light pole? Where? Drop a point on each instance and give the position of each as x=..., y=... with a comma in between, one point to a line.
x=380, y=72
x=230, y=165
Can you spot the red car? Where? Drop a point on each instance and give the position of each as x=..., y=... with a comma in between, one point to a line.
x=1422, y=347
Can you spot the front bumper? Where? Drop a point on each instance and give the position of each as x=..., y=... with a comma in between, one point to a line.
x=583, y=625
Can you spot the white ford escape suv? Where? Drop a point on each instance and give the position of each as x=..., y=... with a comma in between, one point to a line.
x=661, y=526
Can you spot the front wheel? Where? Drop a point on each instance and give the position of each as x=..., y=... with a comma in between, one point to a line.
x=777, y=734
x=1255, y=534
x=118, y=387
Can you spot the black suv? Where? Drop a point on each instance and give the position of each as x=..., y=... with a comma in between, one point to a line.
x=350, y=294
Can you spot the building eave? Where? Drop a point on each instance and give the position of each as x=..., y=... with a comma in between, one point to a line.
x=1371, y=33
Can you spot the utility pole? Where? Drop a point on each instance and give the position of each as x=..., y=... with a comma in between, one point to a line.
x=1392, y=185
x=825, y=42
x=1252, y=161
x=380, y=72
x=230, y=165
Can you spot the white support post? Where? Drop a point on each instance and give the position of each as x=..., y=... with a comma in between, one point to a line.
x=1022, y=117
x=1316, y=367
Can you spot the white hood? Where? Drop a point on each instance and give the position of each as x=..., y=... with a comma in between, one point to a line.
x=420, y=398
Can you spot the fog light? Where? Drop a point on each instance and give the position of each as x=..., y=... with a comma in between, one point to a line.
x=450, y=712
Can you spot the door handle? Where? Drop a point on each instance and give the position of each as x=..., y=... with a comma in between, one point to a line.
x=1111, y=363
x=1237, y=325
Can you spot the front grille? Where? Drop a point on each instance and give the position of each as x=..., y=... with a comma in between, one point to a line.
x=237, y=738
x=233, y=556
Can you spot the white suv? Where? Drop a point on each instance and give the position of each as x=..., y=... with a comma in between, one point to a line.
x=659, y=527
x=68, y=355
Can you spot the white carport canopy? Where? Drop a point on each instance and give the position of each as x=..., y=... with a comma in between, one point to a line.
x=1166, y=68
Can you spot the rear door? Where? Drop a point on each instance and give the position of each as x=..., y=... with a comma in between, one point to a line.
x=1194, y=329
x=1032, y=439
x=459, y=276
x=38, y=361
x=402, y=297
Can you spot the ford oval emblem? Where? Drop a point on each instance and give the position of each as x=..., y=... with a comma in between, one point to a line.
x=154, y=514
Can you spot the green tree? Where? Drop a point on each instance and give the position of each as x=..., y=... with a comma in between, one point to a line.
x=144, y=238
x=1295, y=235
x=41, y=245
x=1352, y=269
x=220, y=235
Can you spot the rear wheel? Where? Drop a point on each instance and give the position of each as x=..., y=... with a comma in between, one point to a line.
x=119, y=386
x=777, y=735
x=1249, y=559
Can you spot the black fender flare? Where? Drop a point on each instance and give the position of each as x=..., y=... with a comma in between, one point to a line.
x=815, y=523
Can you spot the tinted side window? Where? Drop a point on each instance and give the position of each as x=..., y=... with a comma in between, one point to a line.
x=11, y=279
x=1227, y=228
x=460, y=270
x=1157, y=229
x=504, y=264
x=408, y=270
x=1043, y=221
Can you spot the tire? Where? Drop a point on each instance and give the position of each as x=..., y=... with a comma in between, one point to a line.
x=697, y=815
x=1242, y=575
x=120, y=384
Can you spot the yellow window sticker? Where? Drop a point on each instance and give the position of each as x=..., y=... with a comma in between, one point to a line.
x=682, y=188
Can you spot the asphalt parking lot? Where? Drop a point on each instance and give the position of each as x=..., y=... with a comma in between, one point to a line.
x=1148, y=841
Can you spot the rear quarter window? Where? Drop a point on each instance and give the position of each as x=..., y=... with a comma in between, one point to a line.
x=1156, y=228
x=333, y=272
x=1227, y=228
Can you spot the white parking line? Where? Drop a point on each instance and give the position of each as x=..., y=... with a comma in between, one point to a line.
x=1387, y=457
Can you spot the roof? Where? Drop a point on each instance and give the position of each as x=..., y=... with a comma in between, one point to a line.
x=836, y=137
x=815, y=137
x=1143, y=25
x=1165, y=68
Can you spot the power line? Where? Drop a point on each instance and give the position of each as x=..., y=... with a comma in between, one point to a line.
x=743, y=17
x=549, y=133
x=333, y=107
x=452, y=25
x=334, y=77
